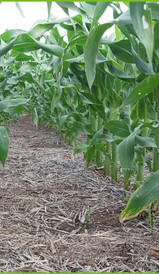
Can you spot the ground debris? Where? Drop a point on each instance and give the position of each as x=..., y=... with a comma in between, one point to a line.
x=45, y=195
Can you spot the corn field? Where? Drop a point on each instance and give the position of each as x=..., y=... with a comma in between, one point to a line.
x=100, y=92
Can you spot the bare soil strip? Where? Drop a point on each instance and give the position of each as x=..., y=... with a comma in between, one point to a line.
x=45, y=194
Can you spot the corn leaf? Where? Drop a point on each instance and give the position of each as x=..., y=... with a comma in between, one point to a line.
x=142, y=23
x=68, y=5
x=90, y=155
x=142, y=89
x=99, y=10
x=39, y=29
x=10, y=103
x=118, y=128
x=122, y=50
x=4, y=144
x=80, y=148
x=91, y=51
x=49, y=5
x=126, y=151
x=5, y=49
x=145, y=141
x=114, y=70
x=9, y=35
x=19, y=8
x=142, y=197
x=156, y=38
x=25, y=43
x=154, y=10
x=123, y=19
x=141, y=64
x=96, y=137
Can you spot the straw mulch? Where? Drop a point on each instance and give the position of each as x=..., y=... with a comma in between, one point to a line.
x=44, y=197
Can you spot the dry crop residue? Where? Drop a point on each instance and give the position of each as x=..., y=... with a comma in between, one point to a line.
x=44, y=190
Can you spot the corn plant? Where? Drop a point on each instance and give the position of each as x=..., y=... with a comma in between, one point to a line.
x=87, y=84
x=135, y=144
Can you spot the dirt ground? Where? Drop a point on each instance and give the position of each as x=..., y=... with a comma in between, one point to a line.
x=45, y=192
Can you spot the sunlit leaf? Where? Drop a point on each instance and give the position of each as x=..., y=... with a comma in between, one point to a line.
x=142, y=23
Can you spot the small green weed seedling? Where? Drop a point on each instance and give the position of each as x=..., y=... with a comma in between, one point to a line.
x=85, y=215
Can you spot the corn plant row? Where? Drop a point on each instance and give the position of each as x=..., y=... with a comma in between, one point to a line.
x=93, y=87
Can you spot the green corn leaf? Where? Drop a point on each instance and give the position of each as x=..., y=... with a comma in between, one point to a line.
x=22, y=57
x=52, y=49
x=10, y=103
x=118, y=128
x=154, y=10
x=123, y=19
x=152, y=114
x=68, y=5
x=145, y=142
x=89, y=8
x=99, y=10
x=79, y=40
x=110, y=139
x=126, y=152
x=91, y=51
x=114, y=70
x=25, y=43
x=80, y=148
x=100, y=58
x=49, y=5
x=76, y=128
x=75, y=59
x=23, y=77
x=9, y=35
x=2, y=84
x=55, y=100
x=39, y=29
x=142, y=197
x=68, y=26
x=92, y=100
x=5, y=49
x=100, y=147
x=4, y=144
x=91, y=48
x=90, y=155
x=15, y=109
x=156, y=38
x=142, y=65
x=19, y=8
x=122, y=50
x=142, y=89
x=127, y=30
x=96, y=137
x=142, y=23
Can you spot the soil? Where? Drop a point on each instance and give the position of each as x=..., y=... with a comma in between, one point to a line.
x=45, y=195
